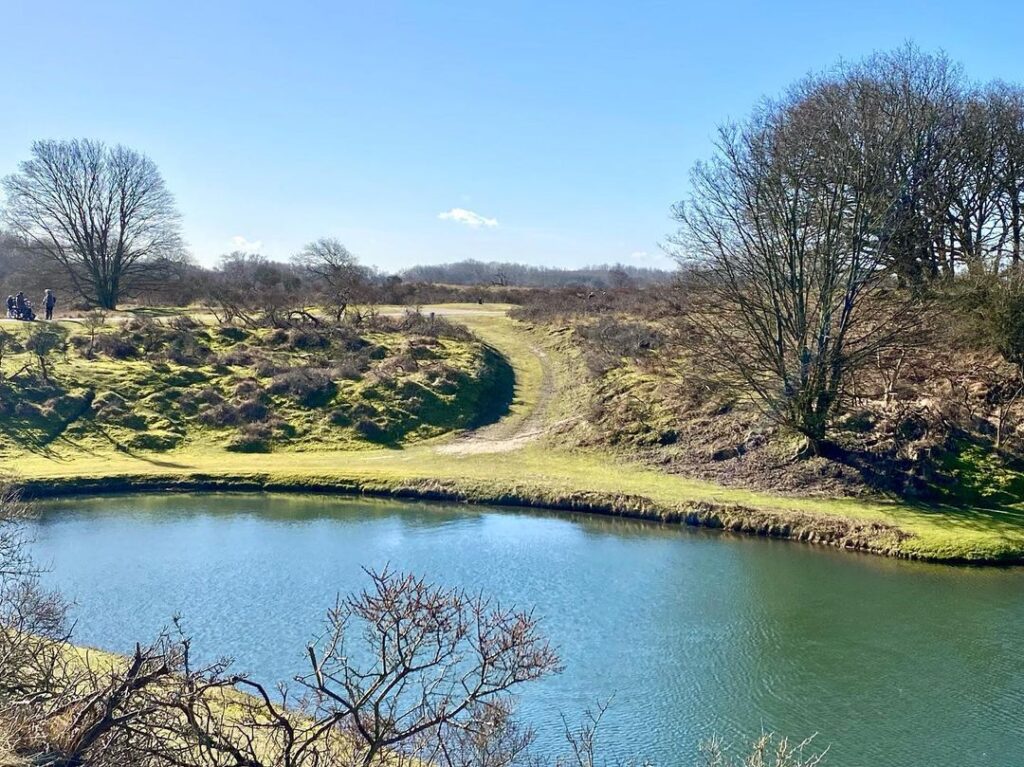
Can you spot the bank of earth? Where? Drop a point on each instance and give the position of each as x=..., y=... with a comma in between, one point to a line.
x=519, y=460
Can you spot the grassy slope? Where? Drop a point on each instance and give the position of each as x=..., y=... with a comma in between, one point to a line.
x=545, y=474
x=406, y=387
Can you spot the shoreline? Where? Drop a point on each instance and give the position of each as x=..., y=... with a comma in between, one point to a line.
x=516, y=462
x=874, y=538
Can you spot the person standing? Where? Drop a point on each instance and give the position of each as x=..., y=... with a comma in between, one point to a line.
x=49, y=301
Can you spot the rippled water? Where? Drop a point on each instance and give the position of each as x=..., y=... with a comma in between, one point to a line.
x=689, y=632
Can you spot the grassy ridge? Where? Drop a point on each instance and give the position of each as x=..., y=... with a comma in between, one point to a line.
x=143, y=387
x=540, y=473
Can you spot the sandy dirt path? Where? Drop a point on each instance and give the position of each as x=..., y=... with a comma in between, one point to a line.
x=536, y=388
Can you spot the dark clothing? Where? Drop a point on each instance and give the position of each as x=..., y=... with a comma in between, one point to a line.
x=10, y=306
x=49, y=311
x=49, y=302
x=23, y=309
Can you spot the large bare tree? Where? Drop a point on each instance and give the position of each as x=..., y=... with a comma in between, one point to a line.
x=103, y=213
x=334, y=273
x=791, y=226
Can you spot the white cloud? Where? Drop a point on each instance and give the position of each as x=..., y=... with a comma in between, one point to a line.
x=238, y=242
x=467, y=217
x=638, y=254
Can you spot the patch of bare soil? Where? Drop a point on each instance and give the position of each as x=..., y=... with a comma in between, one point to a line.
x=513, y=431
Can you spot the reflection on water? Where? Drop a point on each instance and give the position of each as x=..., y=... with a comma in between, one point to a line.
x=689, y=632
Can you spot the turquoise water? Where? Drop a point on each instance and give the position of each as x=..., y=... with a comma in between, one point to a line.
x=688, y=632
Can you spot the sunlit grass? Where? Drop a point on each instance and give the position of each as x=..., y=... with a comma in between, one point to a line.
x=540, y=473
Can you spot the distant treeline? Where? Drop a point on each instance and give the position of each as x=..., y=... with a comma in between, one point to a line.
x=499, y=273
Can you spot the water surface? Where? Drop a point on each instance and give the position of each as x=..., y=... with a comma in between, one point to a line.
x=689, y=632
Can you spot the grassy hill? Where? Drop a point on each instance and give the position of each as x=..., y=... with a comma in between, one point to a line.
x=146, y=385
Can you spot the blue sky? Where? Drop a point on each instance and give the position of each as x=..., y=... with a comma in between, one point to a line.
x=567, y=128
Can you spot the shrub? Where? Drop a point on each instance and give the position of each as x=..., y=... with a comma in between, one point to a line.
x=140, y=325
x=428, y=325
x=111, y=408
x=116, y=346
x=223, y=414
x=238, y=356
x=232, y=333
x=276, y=337
x=309, y=386
x=266, y=368
x=208, y=395
x=69, y=406
x=441, y=379
x=252, y=411
x=610, y=340
x=345, y=338
x=248, y=388
x=145, y=333
x=252, y=438
x=363, y=410
x=340, y=417
x=370, y=430
x=157, y=441
x=184, y=323
x=306, y=338
x=43, y=341
x=351, y=367
x=423, y=349
x=186, y=348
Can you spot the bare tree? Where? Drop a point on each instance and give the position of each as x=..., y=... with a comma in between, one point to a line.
x=8, y=343
x=253, y=290
x=335, y=273
x=1006, y=102
x=42, y=342
x=94, y=322
x=103, y=213
x=442, y=665
x=791, y=226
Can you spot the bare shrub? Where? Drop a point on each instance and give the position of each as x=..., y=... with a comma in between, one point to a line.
x=115, y=346
x=309, y=386
x=43, y=342
x=307, y=338
x=252, y=410
x=768, y=750
x=238, y=356
x=220, y=415
x=252, y=438
x=610, y=340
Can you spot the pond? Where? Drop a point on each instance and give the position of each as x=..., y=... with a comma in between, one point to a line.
x=688, y=632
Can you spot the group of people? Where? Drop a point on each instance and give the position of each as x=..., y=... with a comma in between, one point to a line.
x=20, y=308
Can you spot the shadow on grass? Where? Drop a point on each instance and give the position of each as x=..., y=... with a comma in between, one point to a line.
x=971, y=486
x=497, y=397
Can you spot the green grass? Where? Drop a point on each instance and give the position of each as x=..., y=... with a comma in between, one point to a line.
x=543, y=473
x=186, y=389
